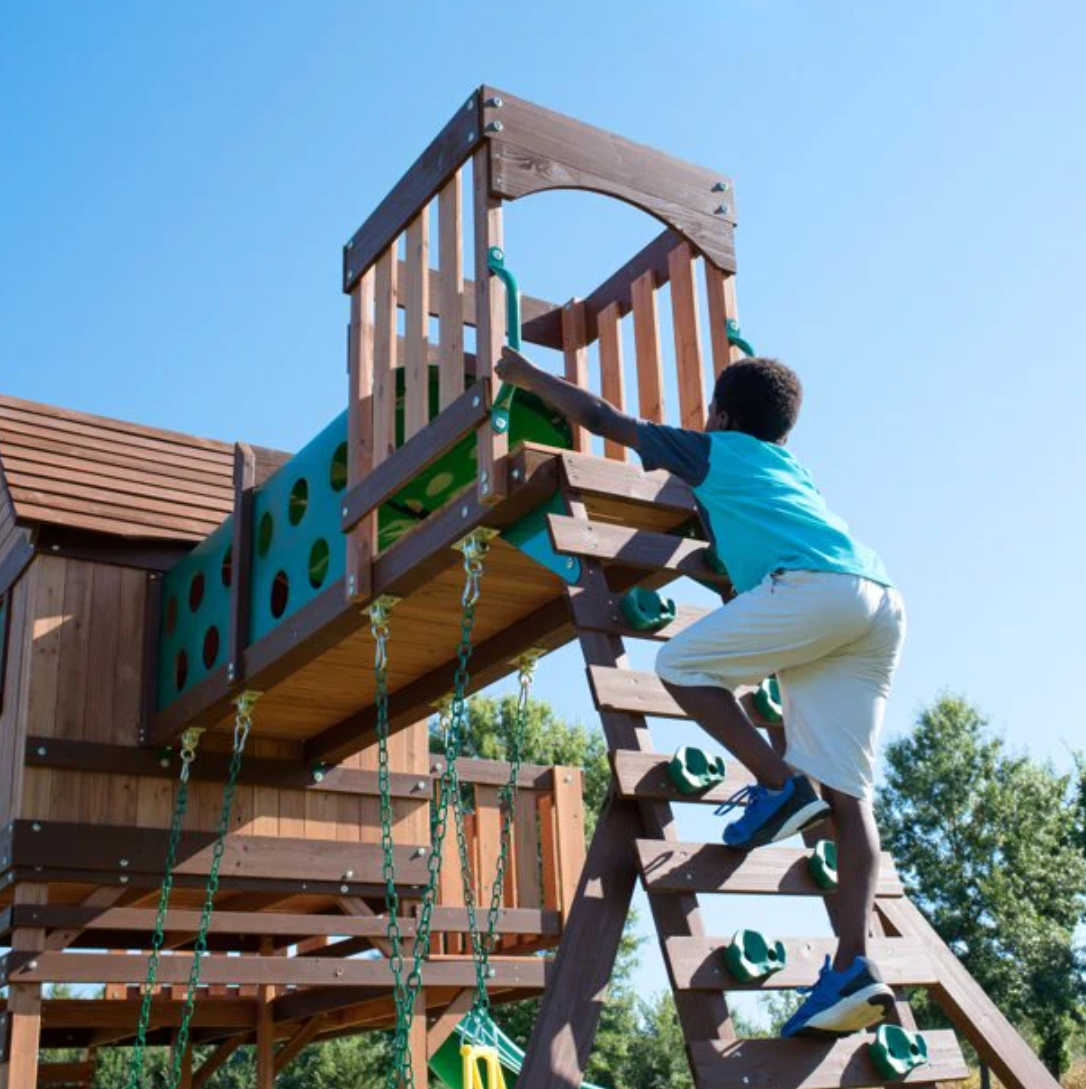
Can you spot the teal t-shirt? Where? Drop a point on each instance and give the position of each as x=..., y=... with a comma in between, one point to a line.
x=760, y=505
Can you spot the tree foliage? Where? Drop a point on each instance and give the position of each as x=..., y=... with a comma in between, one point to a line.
x=991, y=846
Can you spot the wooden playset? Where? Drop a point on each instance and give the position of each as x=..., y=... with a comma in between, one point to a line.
x=218, y=665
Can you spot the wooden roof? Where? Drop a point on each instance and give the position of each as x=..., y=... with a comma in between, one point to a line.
x=87, y=472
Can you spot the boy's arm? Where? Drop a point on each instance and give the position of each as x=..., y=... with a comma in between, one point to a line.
x=579, y=406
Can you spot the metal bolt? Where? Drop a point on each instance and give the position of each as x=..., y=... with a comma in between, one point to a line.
x=494, y=126
x=419, y=852
x=339, y=972
x=463, y=512
x=124, y=879
x=721, y=187
x=344, y=888
x=474, y=404
x=495, y=102
x=350, y=274
x=230, y=671
x=349, y=875
x=344, y=512
x=470, y=104
x=35, y=827
x=567, y=779
x=54, y=548
x=569, y=563
x=516, y=474
x=41, y=750
x=471, y=137
x=350, y=243
x=32, y=965
x=304, y=885
x=421, y=784
x=124, y=863
x=723, y=210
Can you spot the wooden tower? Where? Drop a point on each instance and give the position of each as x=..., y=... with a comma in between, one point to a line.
x=149, y=579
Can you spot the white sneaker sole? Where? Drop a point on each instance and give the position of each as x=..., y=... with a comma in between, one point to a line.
x=854, y=1013
x=815, y=811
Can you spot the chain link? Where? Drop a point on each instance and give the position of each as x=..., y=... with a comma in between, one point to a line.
x=242, y=725
x=401, y=1074
x=190, y=740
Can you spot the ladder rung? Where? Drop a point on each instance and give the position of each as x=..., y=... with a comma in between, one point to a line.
x=602, y=612
x=640, y=548
x=644, y=775
x=711, y=867
x=599, y=476
x=697, y=964
x=814, y=1064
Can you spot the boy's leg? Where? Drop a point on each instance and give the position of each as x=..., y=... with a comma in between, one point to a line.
x=719, y=714
x=858, y=873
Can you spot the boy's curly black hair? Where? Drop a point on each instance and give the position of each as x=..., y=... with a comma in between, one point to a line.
x=761, y=397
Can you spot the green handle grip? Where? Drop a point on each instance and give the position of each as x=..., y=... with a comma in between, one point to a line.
x=495, y=261
x=736, y=337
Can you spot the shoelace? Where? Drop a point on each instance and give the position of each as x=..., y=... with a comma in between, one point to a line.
x=748, y=796
x=826, y=966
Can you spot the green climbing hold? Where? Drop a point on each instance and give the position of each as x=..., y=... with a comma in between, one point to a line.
x=753, y=956
x=823, y=864
x=694, y=770
x=895, y=1051
x=768, y=701
x=645, y=610
x=735, y=336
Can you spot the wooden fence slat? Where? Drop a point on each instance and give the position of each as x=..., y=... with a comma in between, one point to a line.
x=575, y=350
x=685, y=323
x=384, y=358
x=548, y=850
x=612, y=380
x=450, y=301
x=569, y=825
x=417, y=326
x=488, y=826
x=526, y=836
x=361, y=539
x=650, y=370
x=720, y=290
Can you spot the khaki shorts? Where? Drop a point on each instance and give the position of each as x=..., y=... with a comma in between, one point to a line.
x=833, y=640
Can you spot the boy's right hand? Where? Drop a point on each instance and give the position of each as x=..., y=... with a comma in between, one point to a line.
x=515, y=368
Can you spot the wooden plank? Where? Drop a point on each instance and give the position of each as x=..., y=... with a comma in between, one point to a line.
x=538, y=149
x=618, y=480
x=639, y=548
x=575, y=354
x=303, y=1036
x=603, y=613
x=526, y=843
x=488, y=825
x=712, y=867
x=450, y=293
x=24, y=1001
x=613, y=382
x=528, y=972
x=210, y=1066
x=644, y=775
x=416, y=1043
x=650, y=369
x=686, y=327
x=384, y=357
x=417, y=454
x=698, y=964
x=490, y=324
x=447, y=1021
x=361, y=408
x=720, y=290
x=417, y=325
x=569, y=830
x=444, y=156
x=967, y=1006
x=814, y=1064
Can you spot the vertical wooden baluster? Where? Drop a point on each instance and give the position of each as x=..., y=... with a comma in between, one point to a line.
x=384, y=357
x=684, y=316
x=489, y=324
x=612, y=382
x=362, y=539
x=650, y=370
x=451, y=293
x=574, y=346
x=417, y=326
x=720, y=289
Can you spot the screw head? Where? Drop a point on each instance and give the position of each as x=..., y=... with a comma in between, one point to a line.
x=343, y=512
x=124, y=863
x=124, y=879
x=41, y=750
x=474, y=404
x=35, y=827
x=723, y=210
x=494, y=126
x=349, y=875
x=350, y=274
x=495, y=102
x=343, y=888
x=32, y=965
x=463, y=512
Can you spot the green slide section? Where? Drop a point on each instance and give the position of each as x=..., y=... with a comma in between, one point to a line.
x=298, y=548
x=449, y=1066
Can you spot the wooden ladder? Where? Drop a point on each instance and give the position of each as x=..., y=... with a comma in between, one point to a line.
x=636, y=840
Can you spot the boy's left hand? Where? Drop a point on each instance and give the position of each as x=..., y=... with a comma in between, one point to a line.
x=515, y=369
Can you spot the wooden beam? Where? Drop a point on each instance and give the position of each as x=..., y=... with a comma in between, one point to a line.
x=210, y=1066
x=447, y=1020
x=644, y=775
x=303, y=1036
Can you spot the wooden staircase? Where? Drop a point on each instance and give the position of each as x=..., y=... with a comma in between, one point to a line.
x=636, y=840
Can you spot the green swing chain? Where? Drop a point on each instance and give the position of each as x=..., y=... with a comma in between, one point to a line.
x=401, y=1072
x=243, y=723
x=483, y=943
x=190, y=739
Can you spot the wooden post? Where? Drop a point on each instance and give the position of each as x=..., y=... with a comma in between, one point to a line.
x=575, y=349
x=489, y=325
x=24, y=1002
x=265, y=1028
x=685, y=322
x=650, y=370
x=185, y=1081
x=720, y=289
x=612, y=380
x=417, y=1043
x=362, y=539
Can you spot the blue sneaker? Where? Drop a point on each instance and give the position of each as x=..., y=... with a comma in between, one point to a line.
x=772, y=814
x=841, y=1003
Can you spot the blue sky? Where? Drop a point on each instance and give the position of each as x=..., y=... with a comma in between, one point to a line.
x=178, y=181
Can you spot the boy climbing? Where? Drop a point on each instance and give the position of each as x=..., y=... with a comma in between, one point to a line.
x=813, y=606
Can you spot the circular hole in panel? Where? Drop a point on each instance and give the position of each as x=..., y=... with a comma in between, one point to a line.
x=180, y=670
x=171, y=616
x=299, y=500
x=318, y=563
x=211, y=646
x=337, y=473
x=196, y=591
x=280, y=594
x=228, y=566
x=264, y=533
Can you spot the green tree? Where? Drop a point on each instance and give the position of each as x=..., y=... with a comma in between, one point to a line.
x=990, y=844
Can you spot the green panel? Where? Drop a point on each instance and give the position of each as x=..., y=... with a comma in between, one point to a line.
x=533, y=538
x=195, y=615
